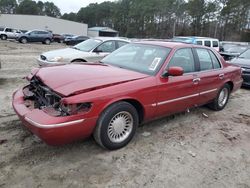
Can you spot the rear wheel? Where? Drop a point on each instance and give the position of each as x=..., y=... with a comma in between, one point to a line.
x=4, y=37
x=222, y=98
x=47, y=41
x=116, y=126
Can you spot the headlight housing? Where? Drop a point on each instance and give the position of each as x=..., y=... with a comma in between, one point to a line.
x=57, y=59
x=73, y=109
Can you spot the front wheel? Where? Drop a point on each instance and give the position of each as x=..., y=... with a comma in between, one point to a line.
x=221, y=99
x=116, y=126
x=4, y=37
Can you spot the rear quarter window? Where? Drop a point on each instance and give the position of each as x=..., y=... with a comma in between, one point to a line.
x=215, y=60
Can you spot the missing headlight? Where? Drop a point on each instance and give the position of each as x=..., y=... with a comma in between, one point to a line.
x=72, y=109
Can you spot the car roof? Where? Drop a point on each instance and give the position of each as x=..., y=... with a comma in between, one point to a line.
x=167, y=44
x=111, y=38
x=195, y=37
x=40, y=30
x=170, y=44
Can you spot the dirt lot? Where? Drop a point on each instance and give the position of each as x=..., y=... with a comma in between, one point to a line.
x=186, y=150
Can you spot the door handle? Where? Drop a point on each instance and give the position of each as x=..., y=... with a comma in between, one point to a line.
x=221, y=76
x=196, y=80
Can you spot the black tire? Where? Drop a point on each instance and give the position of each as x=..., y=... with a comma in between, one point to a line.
x=4, y=37
x=23, y=40
x=101, y=134
x=216, y=104
x=47, y=41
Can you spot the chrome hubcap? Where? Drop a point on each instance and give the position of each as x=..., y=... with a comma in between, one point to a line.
x=120, y=127
x=223, y=97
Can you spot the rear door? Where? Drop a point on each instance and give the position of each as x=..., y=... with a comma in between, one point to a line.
x=178, y=93
x=210, y=73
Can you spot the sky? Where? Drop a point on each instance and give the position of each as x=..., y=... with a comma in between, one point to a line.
x=67, y=6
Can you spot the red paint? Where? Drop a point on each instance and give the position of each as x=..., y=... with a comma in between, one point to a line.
x=103, y=85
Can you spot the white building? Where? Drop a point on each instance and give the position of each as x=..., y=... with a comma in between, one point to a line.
x=30, y=22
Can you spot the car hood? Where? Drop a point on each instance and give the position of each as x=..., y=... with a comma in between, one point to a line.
x=79, y=78
x=241, y=62
x=64, y=53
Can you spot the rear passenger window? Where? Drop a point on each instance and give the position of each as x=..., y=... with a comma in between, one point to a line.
x=215, y=44
x=199, y=42
x=215, y=60
x=121, y=43
x=208, y=43
x=205, y=59
x=183, y=58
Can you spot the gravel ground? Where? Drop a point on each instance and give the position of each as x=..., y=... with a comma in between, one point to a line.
x=185, y=150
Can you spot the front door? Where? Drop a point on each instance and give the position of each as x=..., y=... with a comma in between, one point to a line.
x=178, y=93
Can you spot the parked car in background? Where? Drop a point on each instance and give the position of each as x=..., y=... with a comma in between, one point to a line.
x=230, y=51
x=204, y=41
x=36, y=36
x=75, y=40
x=9, y=33
x=137, y=83
x=90, y=50
x=58, y=38
x=67, y=36
x=243, y=60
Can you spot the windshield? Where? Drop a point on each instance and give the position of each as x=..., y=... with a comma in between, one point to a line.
x=245, y=55
x=87, y=45
x=28, y=32
x=143, y=58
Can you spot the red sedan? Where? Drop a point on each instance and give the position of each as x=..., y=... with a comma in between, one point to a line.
x=137, y=83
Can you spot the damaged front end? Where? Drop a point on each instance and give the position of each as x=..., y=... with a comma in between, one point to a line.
x=39, y=96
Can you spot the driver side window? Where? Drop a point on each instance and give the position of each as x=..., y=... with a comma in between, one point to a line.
x=183, y=58
x=108, y=46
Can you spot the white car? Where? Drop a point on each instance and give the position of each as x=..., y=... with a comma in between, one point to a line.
x=91, y=50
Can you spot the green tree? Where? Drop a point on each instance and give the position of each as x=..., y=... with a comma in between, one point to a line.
x=50, y=9
x=8, y=6
x=69, y=16
x=28, y=7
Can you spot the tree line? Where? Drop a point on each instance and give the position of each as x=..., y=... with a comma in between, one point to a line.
x=223, y=19
x=29, y=7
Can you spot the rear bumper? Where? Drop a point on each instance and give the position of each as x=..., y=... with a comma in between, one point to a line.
x=52, y=130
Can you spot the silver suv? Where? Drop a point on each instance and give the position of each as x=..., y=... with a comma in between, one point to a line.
x=9, y=33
